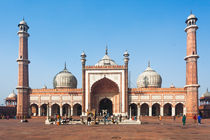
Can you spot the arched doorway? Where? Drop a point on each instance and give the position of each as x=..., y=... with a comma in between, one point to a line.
x=44, y=110
x=106, y=105
x=77, y=110
x=55, y=109
x=144, y=109
x=167, y=109
x=133, y=108
x=105, y=88
x=155, y=109
x=179, y=109
x=34, y=110
x=66, y=110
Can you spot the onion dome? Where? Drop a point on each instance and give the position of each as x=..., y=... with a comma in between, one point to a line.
x=206, y=94
x=12, y=95
x=65, y=79
x=149, y=78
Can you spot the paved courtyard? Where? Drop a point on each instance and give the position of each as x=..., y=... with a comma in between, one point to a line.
x=150, y=129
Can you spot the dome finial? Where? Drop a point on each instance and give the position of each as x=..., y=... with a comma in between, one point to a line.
x=149, y=63
x=207, y=90
x=106, y=50
x=191, y=11
x=65, y=66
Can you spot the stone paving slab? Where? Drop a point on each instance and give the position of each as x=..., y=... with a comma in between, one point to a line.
x=151, y=129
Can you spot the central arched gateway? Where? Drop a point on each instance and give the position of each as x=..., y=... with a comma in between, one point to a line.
x=105, y=95
x=105, y=104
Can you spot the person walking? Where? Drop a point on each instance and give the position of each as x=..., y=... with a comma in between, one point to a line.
x=199, y=119
x=195, y=118
x=184, y=120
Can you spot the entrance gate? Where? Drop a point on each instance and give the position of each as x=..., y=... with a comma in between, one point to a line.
x=105, y=104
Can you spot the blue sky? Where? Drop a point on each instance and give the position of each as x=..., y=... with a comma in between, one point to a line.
x=60, y=30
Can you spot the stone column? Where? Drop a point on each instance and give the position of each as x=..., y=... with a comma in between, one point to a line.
x=150, y=110
x=47, y=110
x=69, y=111
x=173, y=111
x=161, y=110
x=184, y=111
x=138, y=111
x=72, y=111
x=61, y=111
x=39, y=111
x=130, y=113
x=50, y=111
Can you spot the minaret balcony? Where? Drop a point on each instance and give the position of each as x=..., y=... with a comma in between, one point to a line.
x=191, y=56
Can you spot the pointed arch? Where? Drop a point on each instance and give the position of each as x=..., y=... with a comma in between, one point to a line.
x=103, y=84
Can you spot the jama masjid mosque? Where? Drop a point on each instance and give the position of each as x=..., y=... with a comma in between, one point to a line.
x=105, y=86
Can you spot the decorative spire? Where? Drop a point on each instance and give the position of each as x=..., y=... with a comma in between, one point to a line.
x=148, y=63
x=106, y=50
x=207, y=90
x=65, y=66
x=191, y=11
x=23, y=18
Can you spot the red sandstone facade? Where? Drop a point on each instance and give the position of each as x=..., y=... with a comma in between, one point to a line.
x=105, y=86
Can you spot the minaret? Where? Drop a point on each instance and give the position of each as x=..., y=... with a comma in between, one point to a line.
x=126, y=59
x=191, y=67
x=83, y=60
x=23, y=78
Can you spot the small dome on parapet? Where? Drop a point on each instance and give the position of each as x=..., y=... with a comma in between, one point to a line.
x=172, y=86
x=12, y=95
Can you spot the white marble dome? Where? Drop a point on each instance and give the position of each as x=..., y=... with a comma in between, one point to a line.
x=106, y=60
x=65, y=79
x=12, y=95
x=149, y=78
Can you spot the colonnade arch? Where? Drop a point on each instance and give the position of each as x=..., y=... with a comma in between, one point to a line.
x=133, y=109
x=43, y=110
x=167, y=108
x=179, y=109
x=77, y=110
x=144, y=109
x=55, y=109
x=66, y=110
x=34, y=109
x=156, y=109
